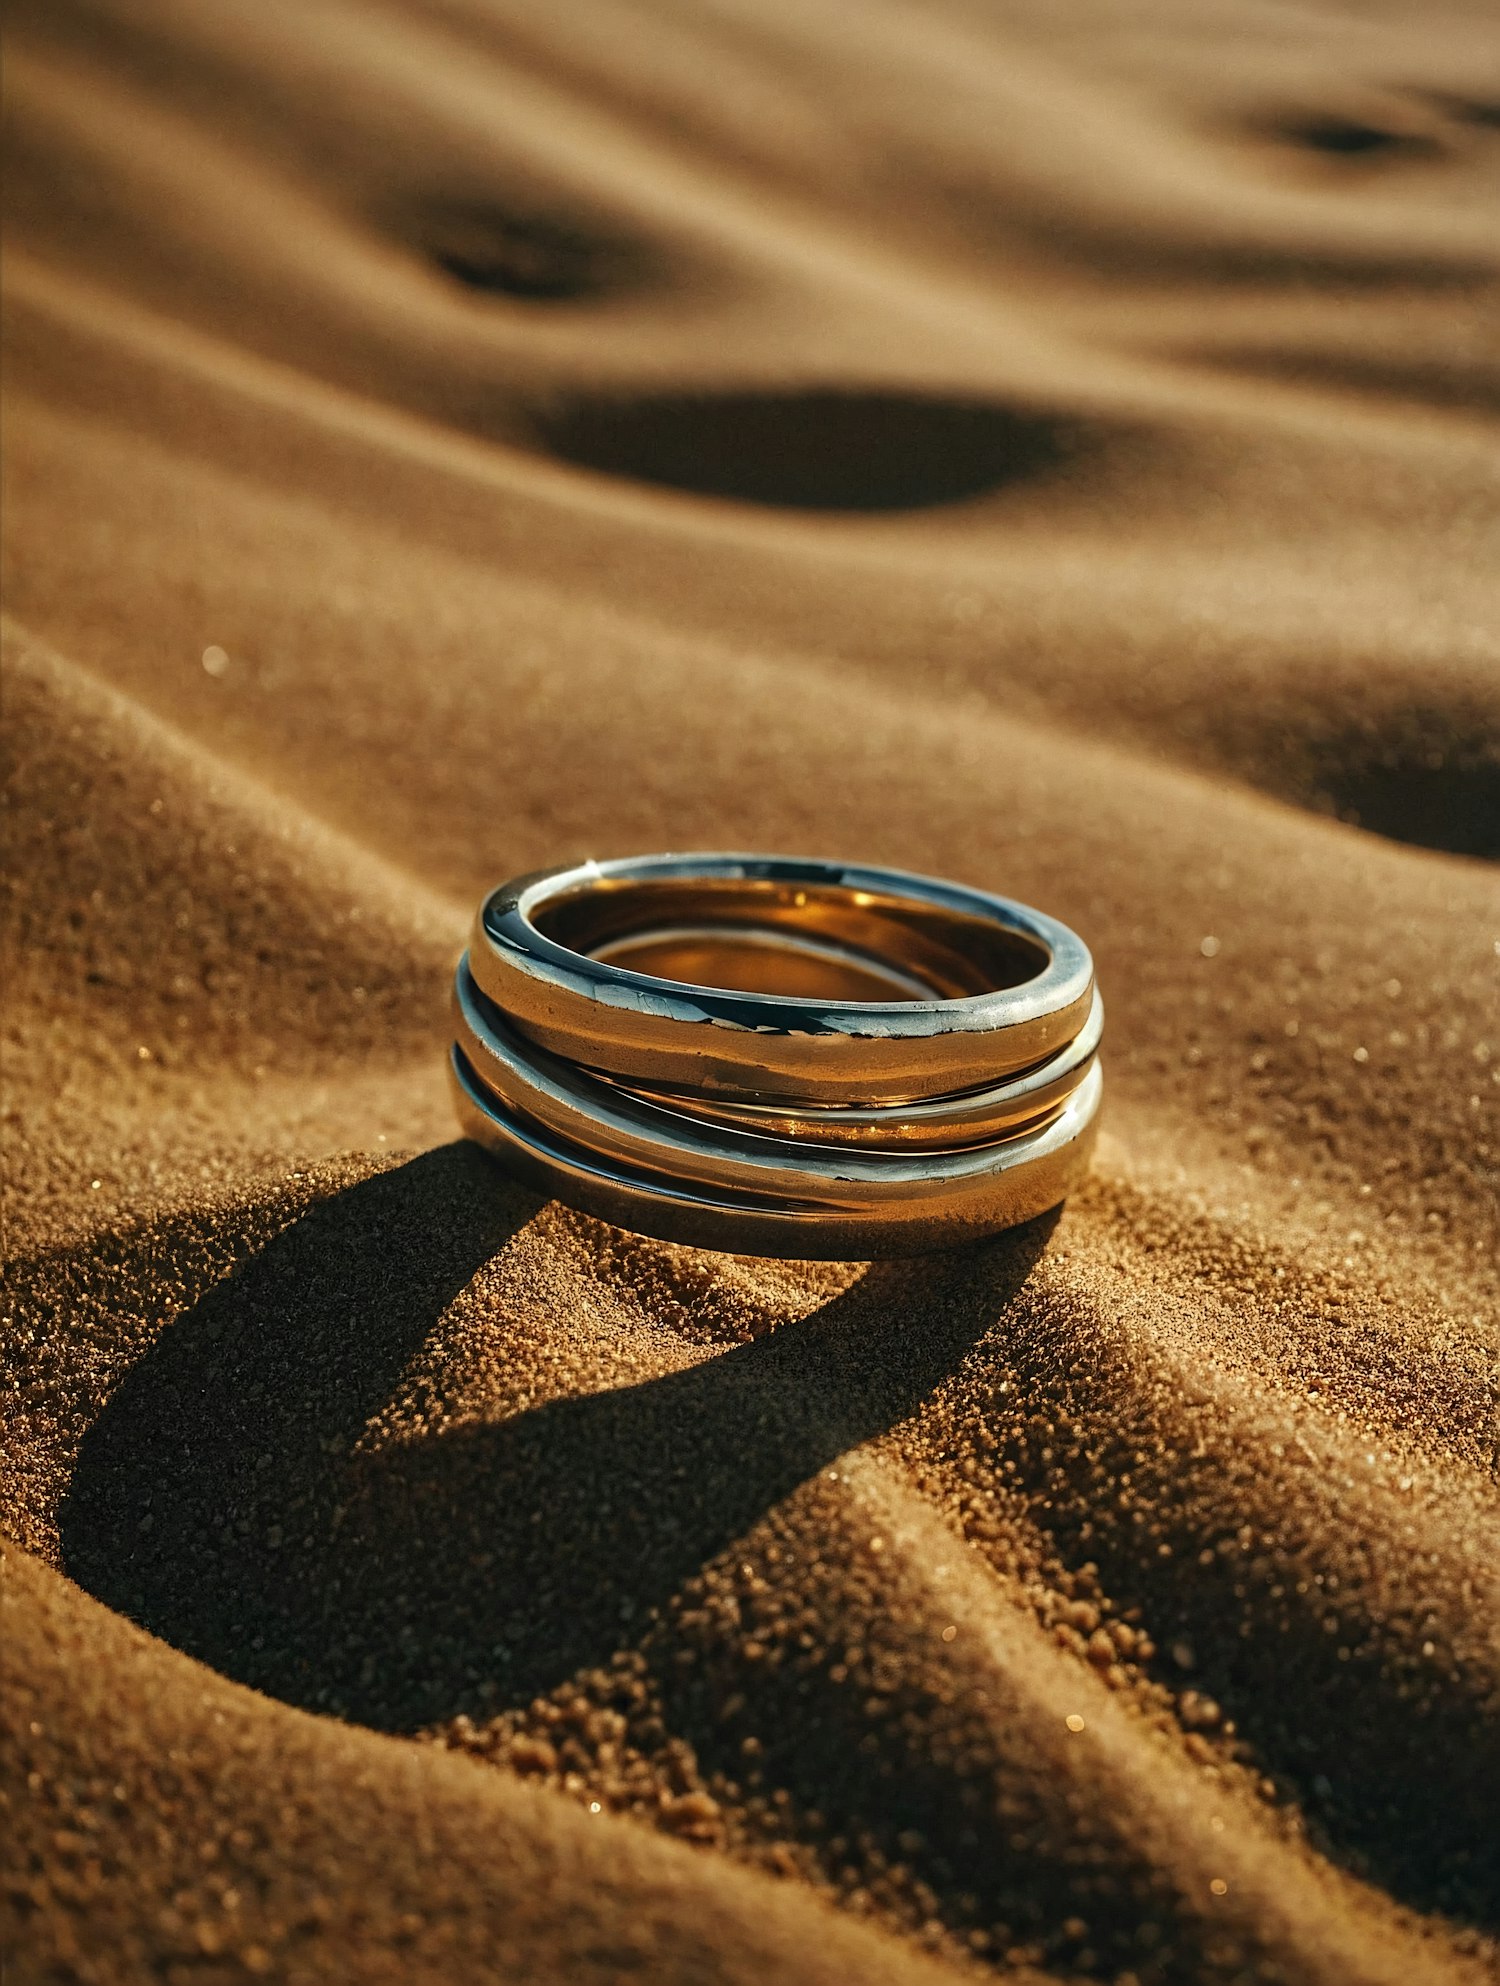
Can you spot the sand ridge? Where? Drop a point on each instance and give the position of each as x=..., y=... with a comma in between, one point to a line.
x=444, y=438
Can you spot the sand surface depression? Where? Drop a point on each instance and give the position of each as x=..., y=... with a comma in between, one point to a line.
x=1051, y=447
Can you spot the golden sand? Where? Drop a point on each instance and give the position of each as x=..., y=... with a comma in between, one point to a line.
x=1051, y=448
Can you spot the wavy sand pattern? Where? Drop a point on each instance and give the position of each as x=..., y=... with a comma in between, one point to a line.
x=1050, y=447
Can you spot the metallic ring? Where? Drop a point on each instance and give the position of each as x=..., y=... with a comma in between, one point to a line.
x=809, y=982
x=537, y=1084
x=741, y=1159
x=938, y=1123
x=998, y=1187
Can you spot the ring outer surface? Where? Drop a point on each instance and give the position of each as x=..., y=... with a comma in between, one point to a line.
x=935, y=1124
x=652, y=1134
x=1025, y=1177
x=775, y=1047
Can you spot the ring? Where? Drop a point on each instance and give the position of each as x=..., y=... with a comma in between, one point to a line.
x=809, y=981
x=769, y=1056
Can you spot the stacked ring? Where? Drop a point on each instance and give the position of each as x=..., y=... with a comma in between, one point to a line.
x=779, y=1057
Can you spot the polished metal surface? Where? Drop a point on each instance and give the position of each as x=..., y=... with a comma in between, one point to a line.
x=1005, y=1184
x=759, y=1054
x=1005, y=986
x=940, y=1123
x=534, y=1081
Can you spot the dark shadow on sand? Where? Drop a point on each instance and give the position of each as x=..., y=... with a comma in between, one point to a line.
x=517, y=252
x=817, y=449
x=216, y=1502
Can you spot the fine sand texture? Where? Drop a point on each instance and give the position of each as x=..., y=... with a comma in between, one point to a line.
x=1048, y=445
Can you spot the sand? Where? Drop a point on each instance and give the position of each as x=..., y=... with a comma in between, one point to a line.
x=1053, y=448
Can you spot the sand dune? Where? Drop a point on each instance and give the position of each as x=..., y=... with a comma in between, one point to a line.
x=1052, y=451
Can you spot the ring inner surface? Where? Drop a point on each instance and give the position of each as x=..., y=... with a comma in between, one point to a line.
x=799, y=941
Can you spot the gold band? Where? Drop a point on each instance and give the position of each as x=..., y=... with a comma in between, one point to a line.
x=812, y=982
x=938, y=1123
x=758, y=1054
